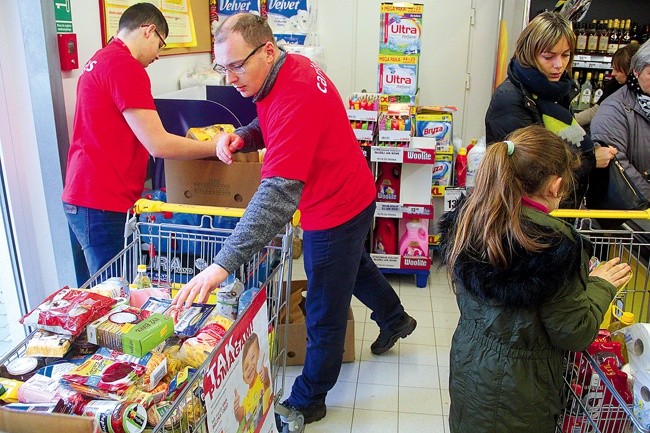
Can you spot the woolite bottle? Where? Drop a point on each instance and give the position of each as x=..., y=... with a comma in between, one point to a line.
x=388, y=182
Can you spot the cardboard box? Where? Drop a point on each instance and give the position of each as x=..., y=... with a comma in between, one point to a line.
x=297, y=334
x=211, y=183
x=12, y=421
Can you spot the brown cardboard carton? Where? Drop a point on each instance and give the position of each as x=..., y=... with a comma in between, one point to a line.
x=297, y=332
x=211, y=183
x=12, y=421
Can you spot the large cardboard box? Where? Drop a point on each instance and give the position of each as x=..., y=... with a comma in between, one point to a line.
x=297, y=332
x=211, y=183
x=12, y=421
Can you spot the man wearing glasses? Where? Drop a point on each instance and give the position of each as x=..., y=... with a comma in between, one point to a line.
x=312, y=162
x=116, y=127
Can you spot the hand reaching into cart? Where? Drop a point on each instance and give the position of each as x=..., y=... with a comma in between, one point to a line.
x=614, y=272
x=200, y=286
x=227, y=144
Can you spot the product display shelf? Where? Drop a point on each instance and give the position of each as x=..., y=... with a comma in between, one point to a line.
x=414, y=204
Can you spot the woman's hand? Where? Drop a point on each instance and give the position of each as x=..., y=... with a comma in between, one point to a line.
x=604, y=154
x=613, y=271
x=202, y=285
x=227, y=144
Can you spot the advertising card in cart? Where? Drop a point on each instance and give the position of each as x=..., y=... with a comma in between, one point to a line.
x=237, y=384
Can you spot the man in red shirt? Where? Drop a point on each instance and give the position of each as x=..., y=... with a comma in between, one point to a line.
x=313, y=162
x=116, y=127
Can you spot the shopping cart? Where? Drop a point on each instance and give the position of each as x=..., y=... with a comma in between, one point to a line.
x=594, y=404
x=173, y=253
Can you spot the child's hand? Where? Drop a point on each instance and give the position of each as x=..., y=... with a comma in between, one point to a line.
x=264, y=377
x=613, y=271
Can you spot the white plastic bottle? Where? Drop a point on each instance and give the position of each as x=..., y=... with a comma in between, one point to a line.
x=474, y=157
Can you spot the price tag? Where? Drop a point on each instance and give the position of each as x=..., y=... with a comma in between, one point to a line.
x=452, y=195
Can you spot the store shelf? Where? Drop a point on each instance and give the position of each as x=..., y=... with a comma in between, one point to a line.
x=595, y=61
x=399, y=210
x=402, y=155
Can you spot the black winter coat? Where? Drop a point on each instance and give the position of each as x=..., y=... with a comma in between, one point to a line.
x=515, y=324
x=512, y=107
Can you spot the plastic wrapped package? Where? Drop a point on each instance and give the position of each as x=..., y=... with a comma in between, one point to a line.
x=293, y=22
x=200, y=75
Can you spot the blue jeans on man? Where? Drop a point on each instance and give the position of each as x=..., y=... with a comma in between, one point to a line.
x=100, y=233
x=337, y=267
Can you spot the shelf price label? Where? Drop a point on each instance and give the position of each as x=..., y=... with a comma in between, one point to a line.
x=418, y=211
x=452, y=195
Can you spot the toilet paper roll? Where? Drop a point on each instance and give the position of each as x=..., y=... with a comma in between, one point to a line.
x=642, y=397
x=637, y=341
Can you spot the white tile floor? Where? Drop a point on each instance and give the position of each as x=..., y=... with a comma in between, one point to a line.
x=406, y=389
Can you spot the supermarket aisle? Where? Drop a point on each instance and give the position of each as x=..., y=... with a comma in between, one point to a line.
x=406, y=389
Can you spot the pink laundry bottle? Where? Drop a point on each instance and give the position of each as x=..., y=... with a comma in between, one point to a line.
x=415, y=242
x=385, y=236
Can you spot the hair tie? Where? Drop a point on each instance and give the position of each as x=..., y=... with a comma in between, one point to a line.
x=511, y=147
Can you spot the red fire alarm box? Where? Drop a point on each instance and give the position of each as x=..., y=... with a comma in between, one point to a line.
x=68, y=51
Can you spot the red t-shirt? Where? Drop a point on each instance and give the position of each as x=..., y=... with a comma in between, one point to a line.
x=107, y=164
x=308, y=137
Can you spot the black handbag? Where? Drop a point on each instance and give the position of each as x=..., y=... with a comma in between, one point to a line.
x=610, y=188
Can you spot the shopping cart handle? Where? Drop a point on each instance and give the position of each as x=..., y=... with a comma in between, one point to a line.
x=143, y=205
x=605, y=214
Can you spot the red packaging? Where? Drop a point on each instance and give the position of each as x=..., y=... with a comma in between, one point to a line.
x=68, y=311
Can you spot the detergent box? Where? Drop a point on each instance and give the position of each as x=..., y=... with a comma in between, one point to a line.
x=400, y=29
x=398, y=75
x=435, y=125
x=442, y=170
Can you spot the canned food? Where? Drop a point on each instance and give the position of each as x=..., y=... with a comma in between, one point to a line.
x=116, y=416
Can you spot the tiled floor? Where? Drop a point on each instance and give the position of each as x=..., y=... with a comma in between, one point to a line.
x=406, y=389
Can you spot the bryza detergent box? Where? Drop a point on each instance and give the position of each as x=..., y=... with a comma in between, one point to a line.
x=436, y=126
x=398, y=75
x=292, y=21
x=400, y=30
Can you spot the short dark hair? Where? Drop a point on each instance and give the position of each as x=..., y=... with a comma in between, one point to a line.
x=143, y=13
x=623, y=57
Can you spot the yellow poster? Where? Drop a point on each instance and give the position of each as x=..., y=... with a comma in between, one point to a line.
x=178, y=14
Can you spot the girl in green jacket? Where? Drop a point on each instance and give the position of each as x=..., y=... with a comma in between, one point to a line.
x=523, y=288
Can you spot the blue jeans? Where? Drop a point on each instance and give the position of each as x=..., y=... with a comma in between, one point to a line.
x=337, y=267
x=100, y=233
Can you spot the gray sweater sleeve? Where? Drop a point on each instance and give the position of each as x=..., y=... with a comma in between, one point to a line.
x=271, y=207
x=252, y=136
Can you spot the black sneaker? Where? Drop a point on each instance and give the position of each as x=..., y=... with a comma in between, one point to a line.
x=388, y=337
x=312, y=413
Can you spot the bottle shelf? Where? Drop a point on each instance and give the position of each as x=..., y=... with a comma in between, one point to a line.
x=399, y=210
x=395, y=261
x=402, y=155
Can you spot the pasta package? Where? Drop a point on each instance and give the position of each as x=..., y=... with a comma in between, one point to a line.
x=196, y=350
x=48, y=344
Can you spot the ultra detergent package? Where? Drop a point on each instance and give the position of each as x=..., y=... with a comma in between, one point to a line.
x=293, y=21
x=398, y=75
x=436, y=126
x=400, y=30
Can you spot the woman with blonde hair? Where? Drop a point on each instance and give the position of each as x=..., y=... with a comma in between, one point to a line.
x=538, y=90
x=523, y=288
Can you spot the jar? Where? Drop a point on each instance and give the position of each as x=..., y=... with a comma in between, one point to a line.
x=21, y=368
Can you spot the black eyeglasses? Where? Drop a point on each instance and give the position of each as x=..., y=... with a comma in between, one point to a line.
x=236, y=69
x=162, y=43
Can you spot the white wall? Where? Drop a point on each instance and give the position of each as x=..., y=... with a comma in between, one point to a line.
x=349, y=32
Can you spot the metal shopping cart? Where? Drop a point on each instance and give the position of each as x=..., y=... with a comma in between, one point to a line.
x=173, y=253
x=594, y=405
